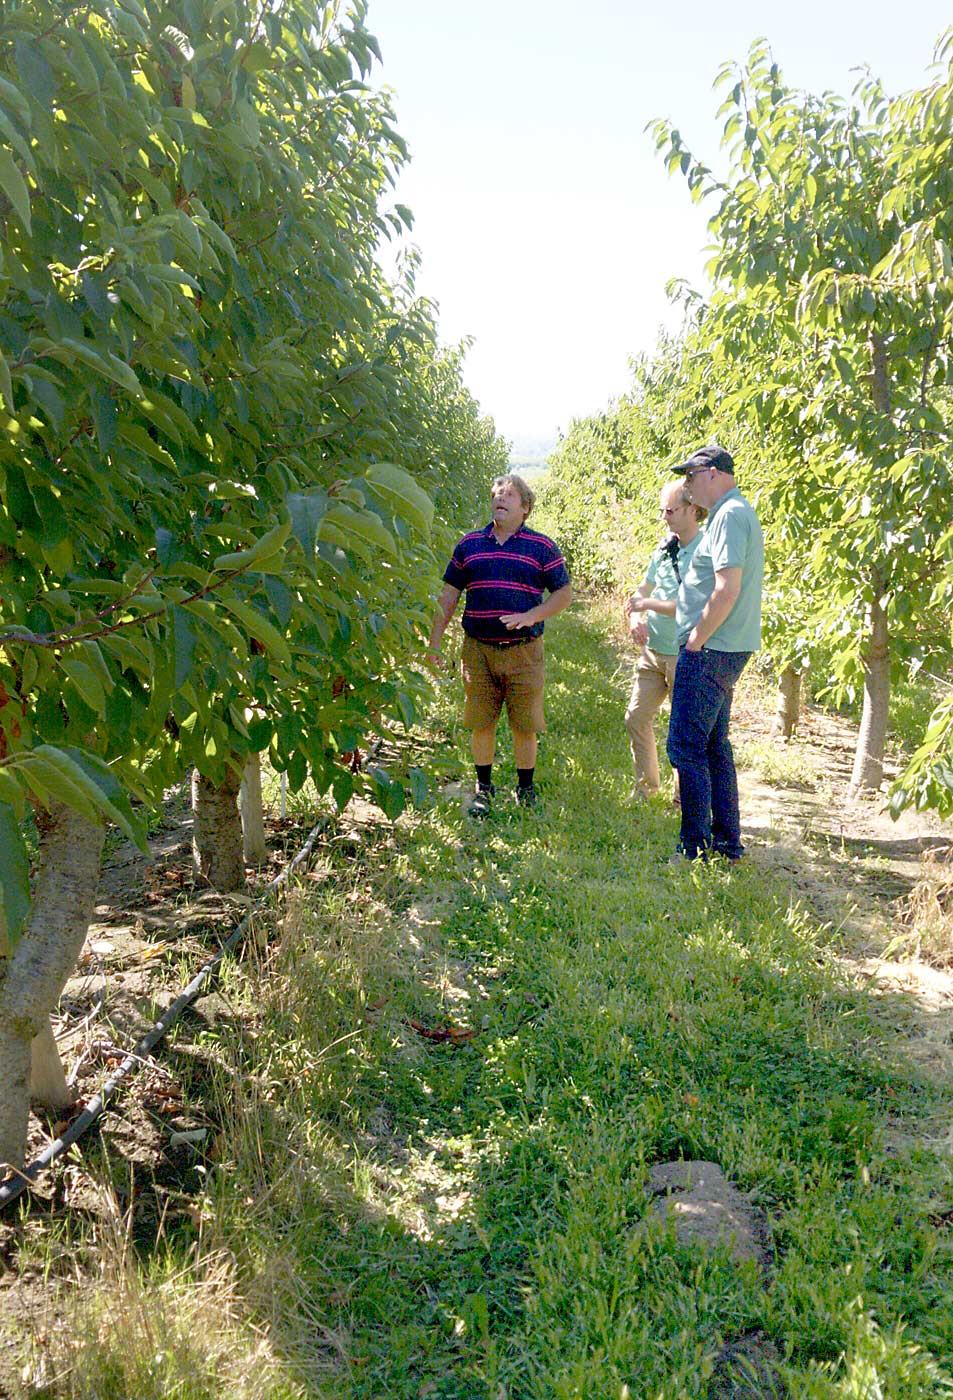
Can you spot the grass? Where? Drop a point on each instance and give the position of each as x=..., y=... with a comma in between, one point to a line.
x=781, y=765
x=389, y=1214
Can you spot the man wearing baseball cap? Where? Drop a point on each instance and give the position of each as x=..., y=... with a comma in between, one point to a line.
x=718, y=626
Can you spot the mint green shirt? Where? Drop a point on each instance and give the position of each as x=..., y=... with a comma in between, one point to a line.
x=732, y=540
x=661, y=575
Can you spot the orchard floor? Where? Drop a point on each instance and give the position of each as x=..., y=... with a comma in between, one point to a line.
x=847, y=865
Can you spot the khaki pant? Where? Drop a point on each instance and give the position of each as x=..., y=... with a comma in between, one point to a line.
x=654, y=678
x=494, y=676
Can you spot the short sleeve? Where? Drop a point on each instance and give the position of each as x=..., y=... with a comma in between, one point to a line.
x=555, y=573
x=729, y=534
x=456, y=573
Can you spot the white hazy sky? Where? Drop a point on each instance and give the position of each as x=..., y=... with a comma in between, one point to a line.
x=546, y=222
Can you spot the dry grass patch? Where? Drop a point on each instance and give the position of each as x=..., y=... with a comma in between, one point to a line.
x=927, y=913
x=119, y=1333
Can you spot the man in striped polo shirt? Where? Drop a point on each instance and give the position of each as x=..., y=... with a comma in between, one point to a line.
x=505, y=570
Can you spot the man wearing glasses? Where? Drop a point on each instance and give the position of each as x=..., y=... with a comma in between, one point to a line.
x=718, y=626
x=651, y=614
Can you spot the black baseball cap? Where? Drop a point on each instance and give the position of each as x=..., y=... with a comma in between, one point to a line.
x=711, y=456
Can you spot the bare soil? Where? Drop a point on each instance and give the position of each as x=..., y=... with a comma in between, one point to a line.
x=853, y=867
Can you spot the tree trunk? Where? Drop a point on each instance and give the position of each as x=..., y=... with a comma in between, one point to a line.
x=788, y=707
x=253, y=824
x=217, y=831
x=63, y=897
x=869, y=754
x=47, y=1077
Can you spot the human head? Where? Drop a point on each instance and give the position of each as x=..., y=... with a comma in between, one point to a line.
x=526, y=494
x=679, y=512
x=708, y=474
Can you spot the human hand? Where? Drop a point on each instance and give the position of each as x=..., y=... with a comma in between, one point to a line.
x=513, y=620
x=435, y=661
x=639, y=631
x=640, y=605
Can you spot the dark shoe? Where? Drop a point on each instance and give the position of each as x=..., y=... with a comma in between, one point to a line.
x=678, y=858
x=481, y=803
x=527, y=796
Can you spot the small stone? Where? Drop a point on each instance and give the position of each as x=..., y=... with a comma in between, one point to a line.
x=704, y=1208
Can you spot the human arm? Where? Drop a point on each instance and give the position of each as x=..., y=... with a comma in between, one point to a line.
x=719, y=605
x=638, y=630
x=446, y=607
x=659, y=605
x=634, y=604
x=557, y=601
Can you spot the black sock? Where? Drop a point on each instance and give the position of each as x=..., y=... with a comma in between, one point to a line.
x=524, y=777
x=483, y=772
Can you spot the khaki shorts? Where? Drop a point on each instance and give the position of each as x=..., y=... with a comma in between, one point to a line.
x=494, y=676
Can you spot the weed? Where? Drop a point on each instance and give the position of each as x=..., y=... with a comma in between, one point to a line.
x=926, y=916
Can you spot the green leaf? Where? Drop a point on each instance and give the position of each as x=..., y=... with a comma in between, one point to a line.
x=106, y=364
x=360, y=525
x=14, y=187
x=342, y=788
x=419, y=786
x=262, y=552
x=390, y=795
x=401, y=494
x=85, y=680
x=6, y=384
x=307, y=511
x=49, y=781
x=184, y=645
x=14, y=880
x=137, y=437
x=408, y=710
x=260, y=628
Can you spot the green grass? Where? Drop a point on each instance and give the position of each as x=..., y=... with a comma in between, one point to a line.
x=411, y=1218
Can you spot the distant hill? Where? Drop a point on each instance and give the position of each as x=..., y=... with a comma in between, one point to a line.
x=526, y=466
x=530, y=453
x=531, y=448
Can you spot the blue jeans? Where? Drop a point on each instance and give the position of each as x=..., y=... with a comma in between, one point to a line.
x=698, y=747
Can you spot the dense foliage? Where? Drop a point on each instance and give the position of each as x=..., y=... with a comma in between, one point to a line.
x=222, y=427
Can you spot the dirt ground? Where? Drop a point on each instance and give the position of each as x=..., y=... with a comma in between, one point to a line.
x=854, y=868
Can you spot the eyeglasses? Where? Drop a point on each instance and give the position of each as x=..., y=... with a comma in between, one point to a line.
x=670, y=510
x=695, y=472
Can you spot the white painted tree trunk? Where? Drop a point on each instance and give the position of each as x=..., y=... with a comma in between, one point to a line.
x=47, y=1076
x=253, y=822
x=788, y=708
x=64, y=893
x=217, y=831
x=868, y=770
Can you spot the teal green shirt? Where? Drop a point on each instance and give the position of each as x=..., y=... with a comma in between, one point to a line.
x=661, y=575
x=732, y=540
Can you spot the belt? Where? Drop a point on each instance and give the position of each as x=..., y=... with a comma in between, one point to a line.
x=502, y=646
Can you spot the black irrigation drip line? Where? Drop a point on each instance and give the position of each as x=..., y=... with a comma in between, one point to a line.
x=135, y=1059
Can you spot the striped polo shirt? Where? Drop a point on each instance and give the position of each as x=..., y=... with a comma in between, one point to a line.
x=504, y=578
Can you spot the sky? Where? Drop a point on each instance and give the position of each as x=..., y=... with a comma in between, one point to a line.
x=547, y=225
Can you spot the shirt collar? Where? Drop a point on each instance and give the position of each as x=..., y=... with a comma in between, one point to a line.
x=728, y=496
x=488, y=532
